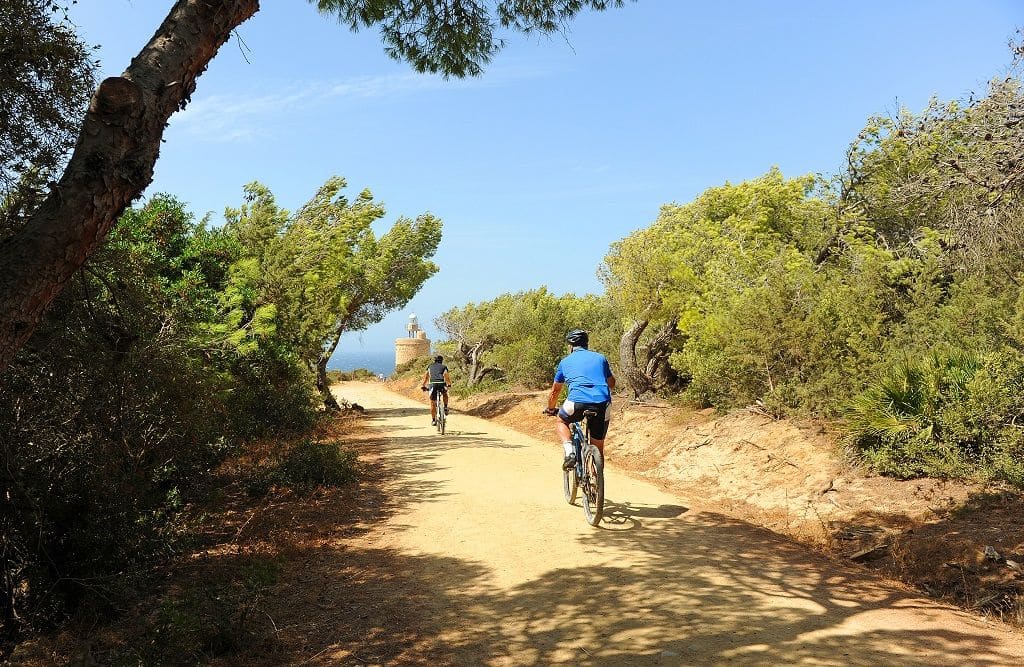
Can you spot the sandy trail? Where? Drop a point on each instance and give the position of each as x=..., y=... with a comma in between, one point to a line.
x=479, y=560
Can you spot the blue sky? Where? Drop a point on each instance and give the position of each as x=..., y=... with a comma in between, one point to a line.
x=566, y=143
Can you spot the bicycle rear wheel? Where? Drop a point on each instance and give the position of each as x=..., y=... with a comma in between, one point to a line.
x=593, y=485
x=441, y=418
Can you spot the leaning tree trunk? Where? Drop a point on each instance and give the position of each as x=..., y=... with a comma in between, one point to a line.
x=635, y=377
x=112, y=163
x=322, y=385
x=657, y=368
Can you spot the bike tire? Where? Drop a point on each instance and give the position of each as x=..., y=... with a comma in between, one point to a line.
x=570, y=485
x=441, y=422
x=593, y=486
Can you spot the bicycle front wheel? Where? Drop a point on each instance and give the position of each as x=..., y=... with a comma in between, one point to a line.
x=593, y=485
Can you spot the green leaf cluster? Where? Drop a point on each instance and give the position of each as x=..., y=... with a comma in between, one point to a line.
x=523, y=334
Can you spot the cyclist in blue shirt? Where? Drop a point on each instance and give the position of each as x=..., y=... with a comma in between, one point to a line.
x=590, y=383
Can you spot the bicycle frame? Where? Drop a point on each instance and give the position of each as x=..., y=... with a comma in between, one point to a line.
x=580, y=436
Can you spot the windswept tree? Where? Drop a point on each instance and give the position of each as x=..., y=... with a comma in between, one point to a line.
x=636, y=273
x=711, y=248
x=306, y=279
x=356, y=278
x=120, y=136
x=464, y=329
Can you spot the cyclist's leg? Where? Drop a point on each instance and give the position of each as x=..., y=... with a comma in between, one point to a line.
x=444, y=393
x=567, y=414
x=433, y=405
x=598, y=427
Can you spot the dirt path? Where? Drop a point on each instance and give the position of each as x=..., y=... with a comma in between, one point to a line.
x=480, y=561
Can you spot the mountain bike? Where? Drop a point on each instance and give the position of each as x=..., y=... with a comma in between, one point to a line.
x=588, y=473
x=442, y=414
x=442, y=411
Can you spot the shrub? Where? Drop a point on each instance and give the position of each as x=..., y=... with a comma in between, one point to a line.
x=308, y=465
x=209, y=619
x=951, y=414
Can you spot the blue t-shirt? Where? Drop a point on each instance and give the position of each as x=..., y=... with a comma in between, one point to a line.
x=587, y=374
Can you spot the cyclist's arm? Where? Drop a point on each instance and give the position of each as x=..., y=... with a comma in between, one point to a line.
x=608, y=377
x=426, y=378
x=447, y=379
x=556, y=391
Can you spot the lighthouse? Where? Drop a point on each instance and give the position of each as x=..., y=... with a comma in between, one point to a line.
x=414, y=345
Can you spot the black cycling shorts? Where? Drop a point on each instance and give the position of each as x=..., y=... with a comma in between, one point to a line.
x=436, y=389
x=598, y=425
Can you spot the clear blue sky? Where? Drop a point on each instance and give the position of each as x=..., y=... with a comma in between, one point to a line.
x=566, y=143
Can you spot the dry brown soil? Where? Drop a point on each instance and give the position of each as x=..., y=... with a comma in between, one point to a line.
x=480, y=561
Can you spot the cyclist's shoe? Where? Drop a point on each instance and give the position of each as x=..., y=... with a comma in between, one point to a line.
x=433, y=422
x=446, y=410
x=569, y=462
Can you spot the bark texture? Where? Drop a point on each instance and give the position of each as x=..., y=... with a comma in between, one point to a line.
x=322, y=383
x=635, y=377
x=112, y=162
x=653, y=373
x=471, y=356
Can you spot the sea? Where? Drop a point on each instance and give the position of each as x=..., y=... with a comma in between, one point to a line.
x=381, y=362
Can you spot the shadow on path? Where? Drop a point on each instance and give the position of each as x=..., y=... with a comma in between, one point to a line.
x=696, y=588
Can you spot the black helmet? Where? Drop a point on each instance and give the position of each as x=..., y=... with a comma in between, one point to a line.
x=577, y=338
x=438, y=358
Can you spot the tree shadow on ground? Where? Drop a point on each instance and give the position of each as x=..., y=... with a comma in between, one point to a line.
x=700, y=588
x=946, y=555
x=705, y=591
x=499, y=405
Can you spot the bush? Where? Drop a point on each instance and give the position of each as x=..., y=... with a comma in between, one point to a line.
x=414, y=368
x=306, y=466
x=207, y=620
x=348, y=376
x=950, y=414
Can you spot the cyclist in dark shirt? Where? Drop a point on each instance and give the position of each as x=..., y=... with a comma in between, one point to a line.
x=590, y=383
x=437, y=380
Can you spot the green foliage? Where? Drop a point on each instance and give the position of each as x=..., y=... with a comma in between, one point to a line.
x=834, y=301
x=523, y=334
x=111, y=418
x=354, y=374
x=208, y=620
x=46, y=77
x=455, y=40
x=307, y=466
x=307, y=278
x=173, y=344
x=947, y=415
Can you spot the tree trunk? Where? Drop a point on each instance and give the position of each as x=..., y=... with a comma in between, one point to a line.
x=657, y=367
x=635, y=377
x=322, y=384
x=112, y=162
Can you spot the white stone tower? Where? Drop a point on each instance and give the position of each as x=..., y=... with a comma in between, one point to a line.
x=414, y=345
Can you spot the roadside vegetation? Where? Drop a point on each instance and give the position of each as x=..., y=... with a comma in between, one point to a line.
x=886, y=299
x=175, y=345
